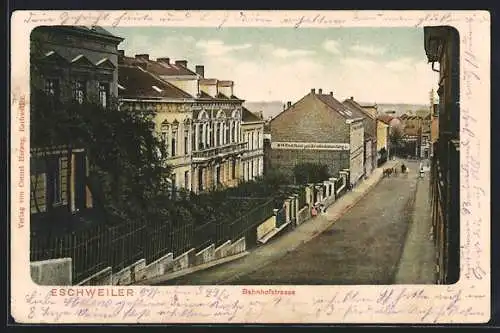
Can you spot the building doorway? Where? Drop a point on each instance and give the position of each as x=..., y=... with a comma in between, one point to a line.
x=200, y=179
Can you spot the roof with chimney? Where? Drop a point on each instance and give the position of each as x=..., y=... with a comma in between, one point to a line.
x=135, y=82
x=385, y=118
x=249, y=116
x=208, y=81
x=225, y=83
x=335, y=105
x=356, y=108
x=331, y=103
x=161, y=66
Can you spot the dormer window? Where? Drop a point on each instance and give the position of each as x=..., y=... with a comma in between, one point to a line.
x=103, y=93
x=157, y=89
x=52, y=87
x=79, y=91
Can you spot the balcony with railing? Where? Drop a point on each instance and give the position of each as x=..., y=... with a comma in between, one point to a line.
x=221, y=151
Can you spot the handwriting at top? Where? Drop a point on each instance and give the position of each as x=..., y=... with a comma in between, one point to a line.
x=222, y=18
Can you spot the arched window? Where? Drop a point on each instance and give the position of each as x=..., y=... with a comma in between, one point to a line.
x=228, y=132
x=233, y=131
x=217, y=133
x=175, y=130
x=165, y=135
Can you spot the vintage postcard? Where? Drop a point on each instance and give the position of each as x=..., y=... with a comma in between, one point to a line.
x=250, y=167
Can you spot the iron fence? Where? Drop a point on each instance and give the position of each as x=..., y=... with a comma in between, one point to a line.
x=302, y=198
x=99, y=246
x=280, y=217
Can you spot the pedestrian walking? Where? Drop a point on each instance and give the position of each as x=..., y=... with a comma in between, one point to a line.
x=322, y=208
x=314, y=212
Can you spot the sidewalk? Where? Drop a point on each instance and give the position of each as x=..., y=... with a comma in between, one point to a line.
x=280, y=246
x=417, y=264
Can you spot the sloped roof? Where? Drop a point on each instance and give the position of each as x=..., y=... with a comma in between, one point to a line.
x=208, y=81
x=357, y=109
x=134, y=82
x=248, y=115
x=204, y=95
x=159, y=67
x=105, y=62
x=95, y=29
x=54, y=56
x=221, y=96
x=335, y=105
x=225, y=83
x=82, y=60
x=385, y=118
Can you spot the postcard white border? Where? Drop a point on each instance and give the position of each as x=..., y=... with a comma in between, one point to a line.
x=467, y=301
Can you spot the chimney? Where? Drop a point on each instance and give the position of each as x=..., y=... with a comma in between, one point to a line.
x=200, y=70
x=142, y=56
x=320, y=91
x=331, y=93
x=182, y=63
x=352, y=98
x=164, y=60
x=284, y=106
x=288, y=104
x=313, y=91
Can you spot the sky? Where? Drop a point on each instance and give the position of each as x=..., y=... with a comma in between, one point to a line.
x=380, y=65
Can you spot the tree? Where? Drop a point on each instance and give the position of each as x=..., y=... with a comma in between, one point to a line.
x=396, y=139
x=310, y=173
x=128, y=169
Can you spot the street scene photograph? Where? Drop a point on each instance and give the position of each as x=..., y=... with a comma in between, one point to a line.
x=244, y=156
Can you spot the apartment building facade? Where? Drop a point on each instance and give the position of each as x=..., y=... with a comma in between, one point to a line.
x=202, y=126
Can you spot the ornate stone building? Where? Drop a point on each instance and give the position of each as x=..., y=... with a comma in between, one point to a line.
x=201, y=123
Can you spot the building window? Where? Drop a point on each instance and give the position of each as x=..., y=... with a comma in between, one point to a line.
x=221, y=138
x=200, y=179
x=174, y=142
x=54, y=187
x=79, y=91
x=200, y=136
x=217, y=175
x=165, y=129
x=103, y=94
x=228, y=133
x=193, y=139
x=186, y=180
x=233, y=170
x=259, y=145
x=52, y=87
x=173, y=178
x=186, y=142
x=232, y=131
x=217, y=134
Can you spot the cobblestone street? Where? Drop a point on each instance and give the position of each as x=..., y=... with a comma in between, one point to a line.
x=364, y=246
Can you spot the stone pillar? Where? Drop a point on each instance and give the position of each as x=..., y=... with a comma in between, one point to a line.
x=286, y=204
x=293, y=205
x=275, y=213
x=296, y=206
